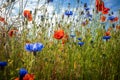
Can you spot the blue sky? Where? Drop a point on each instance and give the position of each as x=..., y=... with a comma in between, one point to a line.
x=114, y=5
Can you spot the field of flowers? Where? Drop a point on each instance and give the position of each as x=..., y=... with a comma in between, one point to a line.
x=69, y=48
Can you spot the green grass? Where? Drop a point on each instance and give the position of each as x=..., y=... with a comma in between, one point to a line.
x=97, y=61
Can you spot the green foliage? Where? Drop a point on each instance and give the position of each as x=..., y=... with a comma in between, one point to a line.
x=97, y=61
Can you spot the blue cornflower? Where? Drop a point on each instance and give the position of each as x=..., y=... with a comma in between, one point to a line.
x=81, y=43
x=34, y=47
x=37, y=47
x=111, y=18
x=87, y=9
x=106, y=37
x=89, y=15
x=29, y=47
x=79, y=39
x=22, y=72
x=68, y=13
x=3, y=64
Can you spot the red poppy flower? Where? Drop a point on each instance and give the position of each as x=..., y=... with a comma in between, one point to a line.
x=102, y=18
x=17, y=78
x=105, y=10
x=3, y=20
x=114, y=20
x=101, y=7
x=59, y=34
x=107, y=33
x=28, y=15
x=12, y=33
x=28, y=77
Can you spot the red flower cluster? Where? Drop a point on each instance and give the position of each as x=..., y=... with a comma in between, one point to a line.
x=101, y=7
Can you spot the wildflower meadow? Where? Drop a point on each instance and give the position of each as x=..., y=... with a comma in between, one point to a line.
x=52, y=40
